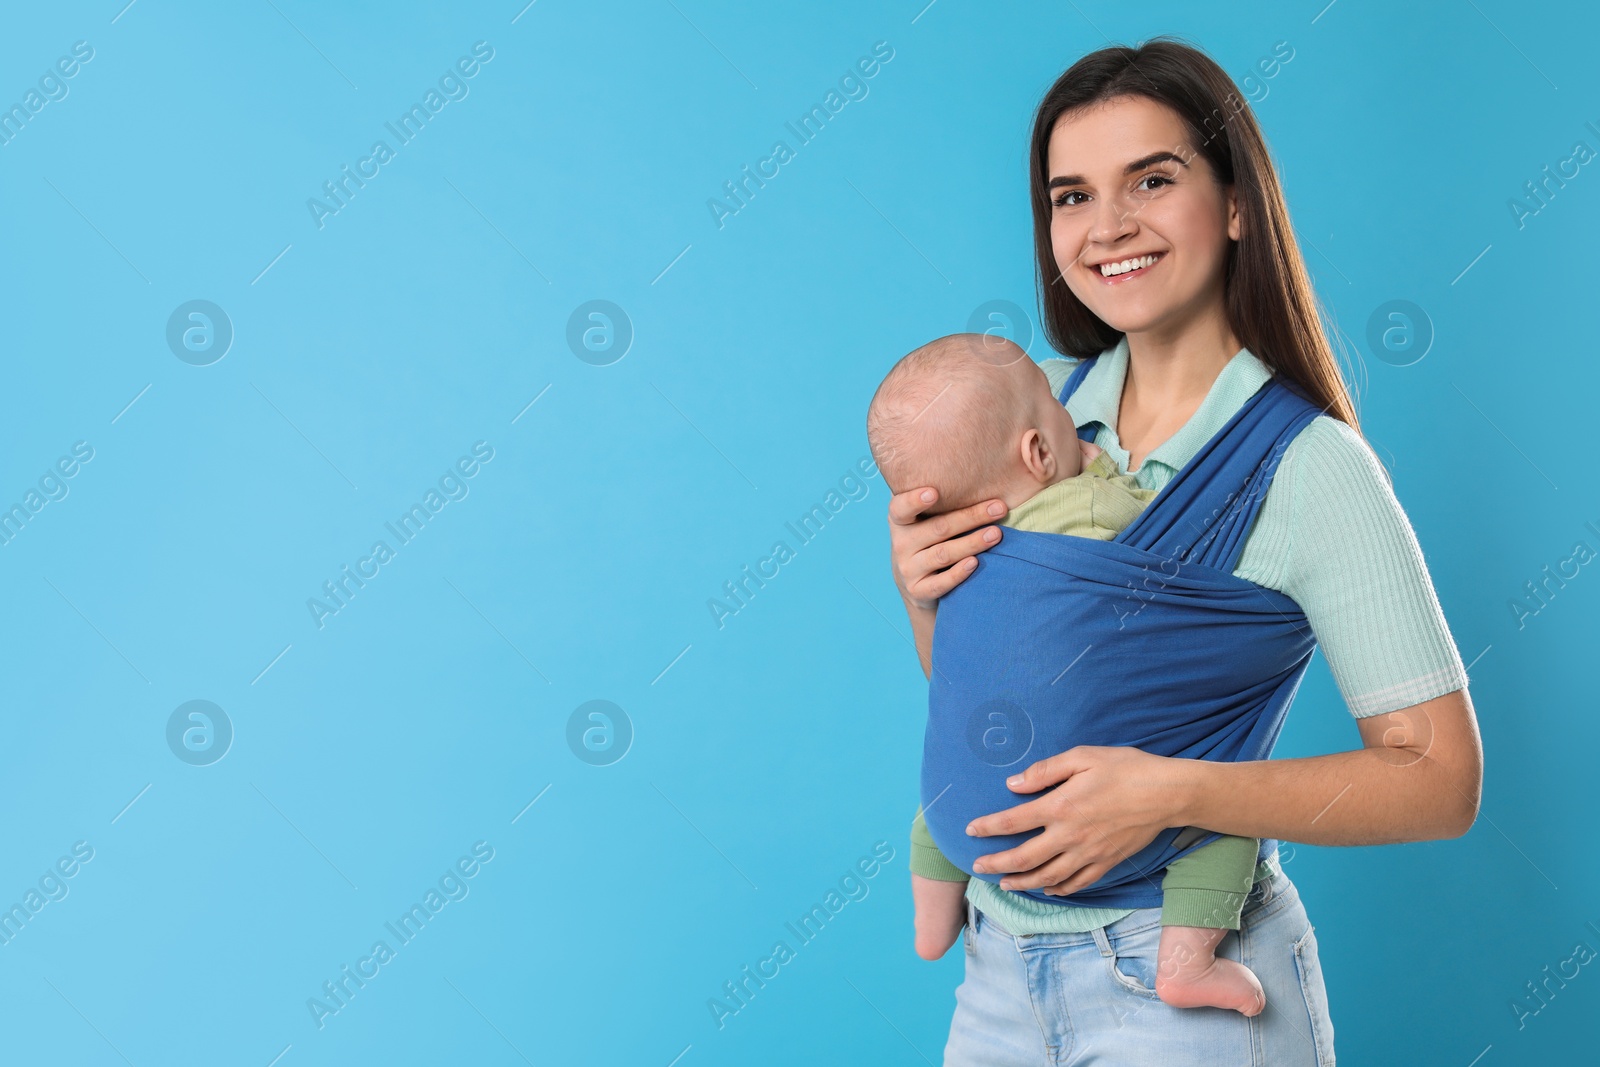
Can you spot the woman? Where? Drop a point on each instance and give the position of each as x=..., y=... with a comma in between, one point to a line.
x=1164, y=247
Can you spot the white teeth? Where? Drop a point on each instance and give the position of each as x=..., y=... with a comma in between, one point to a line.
x=1110, y=270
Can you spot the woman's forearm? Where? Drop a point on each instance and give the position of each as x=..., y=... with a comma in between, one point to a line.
x=1344, y=798
x=1418, y=779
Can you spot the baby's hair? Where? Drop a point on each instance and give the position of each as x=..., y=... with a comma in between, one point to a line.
x=946, y=415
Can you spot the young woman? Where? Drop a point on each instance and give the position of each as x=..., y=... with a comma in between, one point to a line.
x=1164, y=247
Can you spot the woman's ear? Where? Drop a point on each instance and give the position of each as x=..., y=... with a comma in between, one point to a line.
x=1233, y=213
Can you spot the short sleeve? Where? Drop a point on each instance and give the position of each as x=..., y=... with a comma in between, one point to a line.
x=1339, y=545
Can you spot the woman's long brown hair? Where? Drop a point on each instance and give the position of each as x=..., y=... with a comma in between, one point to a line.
x=1271, y=306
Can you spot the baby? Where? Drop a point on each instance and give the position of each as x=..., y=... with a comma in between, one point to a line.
x=974, y=417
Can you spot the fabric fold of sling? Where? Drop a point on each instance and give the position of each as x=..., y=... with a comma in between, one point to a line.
x=1050, y=644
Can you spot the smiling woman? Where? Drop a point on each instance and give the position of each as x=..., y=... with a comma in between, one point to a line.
x=1168, y=269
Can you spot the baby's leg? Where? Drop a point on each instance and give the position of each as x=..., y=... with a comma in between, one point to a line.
x=940, y=912
x=1203, y=894
x=1189, y=973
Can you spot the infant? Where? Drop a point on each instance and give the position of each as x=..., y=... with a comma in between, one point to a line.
x=972, y=416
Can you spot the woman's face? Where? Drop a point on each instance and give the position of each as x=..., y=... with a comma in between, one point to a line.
x=1125, y=183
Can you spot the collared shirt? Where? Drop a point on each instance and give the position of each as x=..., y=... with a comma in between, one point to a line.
x=1099, y=396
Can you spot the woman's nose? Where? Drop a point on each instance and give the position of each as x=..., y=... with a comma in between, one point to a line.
x=1113, y=220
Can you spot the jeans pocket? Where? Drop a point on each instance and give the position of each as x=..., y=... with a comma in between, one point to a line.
x=1316, y=995
x=1132, y=962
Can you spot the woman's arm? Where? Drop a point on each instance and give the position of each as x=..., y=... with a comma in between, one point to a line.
x=1417, y=777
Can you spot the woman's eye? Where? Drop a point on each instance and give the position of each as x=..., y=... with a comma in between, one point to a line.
x=1065, y=199
x=1159, y=178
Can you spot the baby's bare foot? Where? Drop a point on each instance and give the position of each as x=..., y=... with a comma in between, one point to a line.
x=1189, y=973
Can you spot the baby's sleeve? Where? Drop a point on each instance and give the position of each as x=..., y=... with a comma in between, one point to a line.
x=926, y=859
x=1106, y=467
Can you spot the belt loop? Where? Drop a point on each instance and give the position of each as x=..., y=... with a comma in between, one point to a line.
x=1104, y=942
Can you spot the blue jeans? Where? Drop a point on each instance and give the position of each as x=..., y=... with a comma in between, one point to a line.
x=1088, y=999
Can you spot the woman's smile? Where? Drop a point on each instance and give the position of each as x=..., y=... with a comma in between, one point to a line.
x=1125, y=268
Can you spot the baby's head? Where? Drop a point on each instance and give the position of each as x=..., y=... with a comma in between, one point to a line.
x=972, y=416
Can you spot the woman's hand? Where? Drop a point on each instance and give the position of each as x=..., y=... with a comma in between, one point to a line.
x=1089, y=450
x=1111, y=803
x=930, y=557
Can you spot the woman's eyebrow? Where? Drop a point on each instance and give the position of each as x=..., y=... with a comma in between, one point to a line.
x=1138, y=164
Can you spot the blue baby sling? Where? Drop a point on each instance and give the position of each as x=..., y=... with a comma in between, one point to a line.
x=1147, y=640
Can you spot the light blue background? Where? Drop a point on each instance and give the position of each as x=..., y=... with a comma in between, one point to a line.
x=771, y=754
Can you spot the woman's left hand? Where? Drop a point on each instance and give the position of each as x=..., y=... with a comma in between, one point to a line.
x=1110, y=803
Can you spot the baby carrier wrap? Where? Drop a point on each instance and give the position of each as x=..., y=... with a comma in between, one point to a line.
x=1147, y=640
